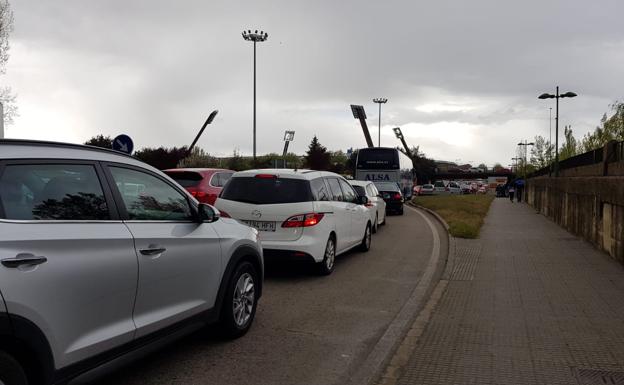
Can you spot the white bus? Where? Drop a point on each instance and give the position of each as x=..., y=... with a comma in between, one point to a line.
x=384, y=164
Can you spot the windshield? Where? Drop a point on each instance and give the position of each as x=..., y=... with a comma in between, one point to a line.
x=264, y=191
x=185, y=178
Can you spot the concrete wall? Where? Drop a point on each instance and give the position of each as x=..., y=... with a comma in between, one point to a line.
x=589, y=206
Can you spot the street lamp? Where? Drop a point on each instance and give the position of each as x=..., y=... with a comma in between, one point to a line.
x=256, y=37
x=525, y=144
x=379, y=101
x=557, y=96
x=515, y=164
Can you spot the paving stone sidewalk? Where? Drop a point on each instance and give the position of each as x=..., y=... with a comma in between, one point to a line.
x=526, y=303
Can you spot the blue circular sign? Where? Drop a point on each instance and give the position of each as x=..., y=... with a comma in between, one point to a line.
x=123, y=143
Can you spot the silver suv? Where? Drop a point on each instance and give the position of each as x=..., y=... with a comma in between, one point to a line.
x=102, y=255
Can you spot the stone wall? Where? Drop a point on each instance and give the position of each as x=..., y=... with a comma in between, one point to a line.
x=589, y=206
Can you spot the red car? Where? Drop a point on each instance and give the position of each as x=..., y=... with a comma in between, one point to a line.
x=204, y=184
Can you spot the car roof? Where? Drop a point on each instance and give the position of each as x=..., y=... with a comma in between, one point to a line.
x=359, y=182
x=38, y=149
x=200, y=170
x=286, y=173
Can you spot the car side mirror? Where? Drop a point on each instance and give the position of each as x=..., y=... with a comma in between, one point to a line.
x=206, y=214
x=362, y=200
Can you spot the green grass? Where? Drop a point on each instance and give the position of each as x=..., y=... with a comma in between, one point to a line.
x=463, y=213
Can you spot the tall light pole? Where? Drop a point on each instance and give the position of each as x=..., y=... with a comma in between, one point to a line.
x=515, y=164
x=379, y=101
x=526, y=145
x=1, y=121
x=557, y=96
x=550, y=136
x=255, y=37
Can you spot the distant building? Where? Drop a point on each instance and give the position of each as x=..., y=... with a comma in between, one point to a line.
x=444, y=166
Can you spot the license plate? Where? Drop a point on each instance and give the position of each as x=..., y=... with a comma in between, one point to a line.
x=262, y=225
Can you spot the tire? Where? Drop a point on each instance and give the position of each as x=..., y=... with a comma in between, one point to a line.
x=326, y=266
x=366, y=241
x=376, y=223
x=235, y=320
x=11, y=373
x=384, y=221
x=400, y=212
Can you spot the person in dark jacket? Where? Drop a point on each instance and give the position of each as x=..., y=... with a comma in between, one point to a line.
x=512, y=190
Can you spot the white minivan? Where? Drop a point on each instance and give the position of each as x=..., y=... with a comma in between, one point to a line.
x=300, y=214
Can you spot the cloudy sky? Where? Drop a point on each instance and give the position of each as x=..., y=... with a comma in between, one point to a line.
x=461, y=77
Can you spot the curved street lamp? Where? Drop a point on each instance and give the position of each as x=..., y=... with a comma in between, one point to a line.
x=256, y=37
x=557, y=96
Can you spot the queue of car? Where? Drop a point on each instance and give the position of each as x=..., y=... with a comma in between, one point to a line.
x=105, y=257
x=442, y=187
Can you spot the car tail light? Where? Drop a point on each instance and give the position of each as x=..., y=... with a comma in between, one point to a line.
x=303, y=220
x=224, y=214
x=396, y=196
x=266, y=176
x=368, y=204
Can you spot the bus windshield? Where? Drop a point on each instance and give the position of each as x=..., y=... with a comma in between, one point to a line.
x=378, y=159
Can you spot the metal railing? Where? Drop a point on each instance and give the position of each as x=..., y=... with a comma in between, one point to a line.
x=586, y=159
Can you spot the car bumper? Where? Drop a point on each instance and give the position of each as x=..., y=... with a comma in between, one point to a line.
x=307, y=247
x=394, y=206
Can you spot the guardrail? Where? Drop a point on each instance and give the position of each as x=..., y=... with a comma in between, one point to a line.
x=615, y=154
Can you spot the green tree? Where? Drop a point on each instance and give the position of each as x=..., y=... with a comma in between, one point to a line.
x=7, y=97
x=317, y=157
x=497, y=166
x=338, y=162
x=100, y=141
x=199, y=158
x=570, y=146
x=162, y=158
x=541, y=152
x=424, y=168
x=237, y=162
x=611, y=128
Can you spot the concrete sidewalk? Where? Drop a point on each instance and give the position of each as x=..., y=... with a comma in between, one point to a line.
x=526, y=303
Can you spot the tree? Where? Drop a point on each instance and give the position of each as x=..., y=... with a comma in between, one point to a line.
x=199, y=158
x=237, y=162
x=611, y=128
x=570, y=147
x=497, y=166
x=541, y=152
x=162, y=158
x=424, y=168
x=338, y=162
x=7, y=97
x=100, y=141
x=317, y=157
x=483, y=167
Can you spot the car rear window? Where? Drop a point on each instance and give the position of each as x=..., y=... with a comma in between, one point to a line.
x=359, y=190
x=387, y=186
x=267, y=190
x=185, y=178
x=427, y=186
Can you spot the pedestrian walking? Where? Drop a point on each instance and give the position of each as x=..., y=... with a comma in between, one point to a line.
x=512, y=190
x=519, y=193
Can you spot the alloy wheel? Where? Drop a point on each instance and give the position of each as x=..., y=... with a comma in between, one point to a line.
x=244, y=298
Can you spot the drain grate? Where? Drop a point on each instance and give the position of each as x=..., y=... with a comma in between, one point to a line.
x=598, y=377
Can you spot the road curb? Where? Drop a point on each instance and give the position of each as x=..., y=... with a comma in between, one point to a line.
x=379, y=357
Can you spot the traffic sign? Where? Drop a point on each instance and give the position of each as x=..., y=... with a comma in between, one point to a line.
x=123, y=143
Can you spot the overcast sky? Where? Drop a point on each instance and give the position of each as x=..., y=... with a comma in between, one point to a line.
x=461, y=77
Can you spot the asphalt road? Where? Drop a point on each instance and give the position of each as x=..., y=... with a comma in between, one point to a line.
x=308, y=329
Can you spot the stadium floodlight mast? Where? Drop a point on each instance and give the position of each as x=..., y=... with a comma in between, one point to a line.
x=255, y=37
x=557, y=96
x=379, y=101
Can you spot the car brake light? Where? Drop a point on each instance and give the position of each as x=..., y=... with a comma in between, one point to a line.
x=397, y=196
x=266, y=176
x=303, y=220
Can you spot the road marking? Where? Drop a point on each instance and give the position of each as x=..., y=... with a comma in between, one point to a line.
x=381, y=353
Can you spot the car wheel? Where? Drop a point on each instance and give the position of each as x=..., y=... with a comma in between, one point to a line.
x=240, y=302
x=366, y=241
x=11, y=373
x=326, y=266
x=376, y=223
x=400, y=211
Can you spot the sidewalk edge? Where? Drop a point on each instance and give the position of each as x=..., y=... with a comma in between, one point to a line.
x=376, y=362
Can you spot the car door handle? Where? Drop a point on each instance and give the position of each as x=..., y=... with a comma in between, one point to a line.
x=153, y=251
x=23, y=259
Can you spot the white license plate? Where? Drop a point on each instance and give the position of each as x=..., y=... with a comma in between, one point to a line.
x=262, y=225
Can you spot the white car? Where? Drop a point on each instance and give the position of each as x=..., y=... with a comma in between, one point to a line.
x=300, y=214
x=376, y=205
x=454, y=188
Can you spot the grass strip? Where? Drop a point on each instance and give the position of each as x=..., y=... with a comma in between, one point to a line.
x=463, y=213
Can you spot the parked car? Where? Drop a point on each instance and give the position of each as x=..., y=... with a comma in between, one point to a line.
x=102, y=255
x=416, y=190
x=427, y=189
x=453, y=188
x=204, y=184
x=465, y=188
x=439, y=187
x=376, y=205
x=391, y=193
x=301, y=214
x=483, y=189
